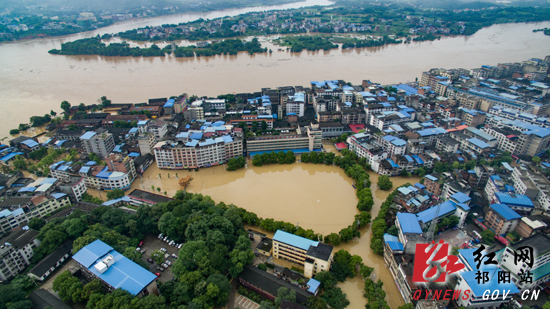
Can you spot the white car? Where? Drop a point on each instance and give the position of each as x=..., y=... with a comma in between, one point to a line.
x=166, y=255
x=160, y=236
x=165, y=238
x=163, y=249
x=168, y=262
x=171, y=243
x=179, y=247
x=174, y=255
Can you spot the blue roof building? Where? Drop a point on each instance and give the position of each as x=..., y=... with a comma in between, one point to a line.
x=517, y=202
x=447, y=208
x=99, y=260
x=460, y=197
x=407, y=223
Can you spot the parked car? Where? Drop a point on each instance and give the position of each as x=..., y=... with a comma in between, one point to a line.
x=140, y=243
x=160, y=236
x=171, y=243
x=179, y=247
x=165, y=238
x=163, y=249
x=158, y=274
x=138, y=249
x=167, y=255
x=150, y=260
x=174, y=255
x=168, y=262
x=160, y=268
x=164, y=265
x=142, y=251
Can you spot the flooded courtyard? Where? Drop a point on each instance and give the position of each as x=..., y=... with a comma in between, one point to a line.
x=317, y=197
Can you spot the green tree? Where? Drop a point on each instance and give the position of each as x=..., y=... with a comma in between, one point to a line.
x=326, y=279
x=105, y=102
x=82, y=107
x=454, y=251
x=536, y=160
x=264, y=125
x=316, y=303
x=65, y=106
x=284, y=293
x=262, y=266
x=37, y=223
x=114, y=194
x=406, y=306
x=335, y=298
x=488, y=236
x=68, y=287
x=384, y=183
x=455, y=165
x=52, y=113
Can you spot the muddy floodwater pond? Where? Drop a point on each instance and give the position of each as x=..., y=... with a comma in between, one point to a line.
x=317, y=197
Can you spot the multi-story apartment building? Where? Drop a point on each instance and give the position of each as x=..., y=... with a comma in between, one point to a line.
x=74, y=186
x=295, y=104
x=540, y=269
x=100, y=144
x=16, y=251
x=383, y=120
x=146, y=142
x=366, y=147
x=507, y=138
x=497, y=184
x=306, y=138
x=43, y=205
x=533, y=184
x=378, y=108
x=314, y=256
x=393, y=145
x=434, y=184
x=532, y=140
x=100, y=178
x=124, y=164
x=158, y=128
x=472, y=117
x=512, y=114
x=195, y=153
x=466, y=280
x=501, y=219
x=249, y=119
x=10, y=219
x=353, y=116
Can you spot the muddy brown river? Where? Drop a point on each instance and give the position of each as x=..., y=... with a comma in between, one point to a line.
x=317, y=197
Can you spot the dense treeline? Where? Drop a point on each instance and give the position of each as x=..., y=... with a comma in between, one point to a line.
x=94, y=46
x=236, y=163
x=311, y=43
x=354, y=42
x=273, y=157
x=379, y=225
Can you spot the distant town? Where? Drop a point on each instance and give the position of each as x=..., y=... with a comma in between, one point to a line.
x=477, y=139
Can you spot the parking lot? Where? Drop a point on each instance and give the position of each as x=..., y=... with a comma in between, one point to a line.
x=245, y=303
x=152, y=243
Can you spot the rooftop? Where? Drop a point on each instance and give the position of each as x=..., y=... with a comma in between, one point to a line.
x=124, y=273
x=293, y=240
x=506, y=212
x=409, y=223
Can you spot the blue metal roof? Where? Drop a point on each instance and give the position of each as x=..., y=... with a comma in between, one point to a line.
x=293, y=240
x=519, y=199
x=408, y=223
x=313, y=285
x=196, y=136
x=393, y=164
x=393, y=242
x=133, y=154
x=10, y=156
x=192, y=143
x=30, y=143
x=124, y=273
x=429, y=214
x=460, y=197
x=479, y=143
x=58, y=195
x=88, y=135
x=418, y=159
x=492, y=285
x=116, y=200
x=505, y=211
x=432, y=178
x=419, y=186
x=227, y=139
x=84, y=169
x=169, y=103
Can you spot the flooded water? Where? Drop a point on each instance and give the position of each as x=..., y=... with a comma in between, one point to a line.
x=317, y=197
x=32, y=82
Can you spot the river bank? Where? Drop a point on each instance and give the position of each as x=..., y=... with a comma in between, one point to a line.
x=33, y=82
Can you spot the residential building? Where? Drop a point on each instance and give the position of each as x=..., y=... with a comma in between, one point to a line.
x=305, y=139
x=140, y=197
x=196, y=152
x=100, y=261
x=16, y=251
x=533, y=139
x=497, y=184
x=365, y=147
x=10, y=219
x=146, y=143
x=44, y=204
x=520, y=203
x=433, y=184
x=407, y=227
x=249, y=119
x=158, y=129
x=528, y=226
x=100, y=144
x=314, y=256
x=100, y=178
x=331, y=129
x=393, y=145
x=501, y=219
x=446, y=209
x=541, y=265
x=466, y=280
x=472, y=117
x=533, y=184
x=50, y=263
x=123, y=164
x=75, y=187
x=42, y=299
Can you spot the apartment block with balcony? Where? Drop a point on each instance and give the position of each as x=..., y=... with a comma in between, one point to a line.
x=501, y=219
x=16, y=252
x=45, y=204
x=314, y=256
x=533, y=184
x=100, y=144
x=305, y=139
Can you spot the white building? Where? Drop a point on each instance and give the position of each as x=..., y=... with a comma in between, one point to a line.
x=16, y=251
